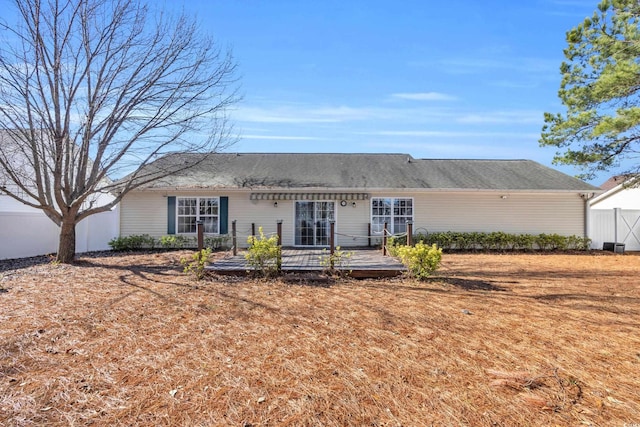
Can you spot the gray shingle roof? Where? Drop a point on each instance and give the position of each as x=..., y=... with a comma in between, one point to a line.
x=277, y=171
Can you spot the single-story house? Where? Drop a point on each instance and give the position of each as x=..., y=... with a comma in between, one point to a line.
x=360, y=192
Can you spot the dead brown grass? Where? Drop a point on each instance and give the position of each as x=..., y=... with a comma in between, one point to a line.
x=496, y=340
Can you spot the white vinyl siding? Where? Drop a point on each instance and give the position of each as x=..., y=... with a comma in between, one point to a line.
x=143, y=213
x=563, y=213
x=519, y=213
x=623, y=198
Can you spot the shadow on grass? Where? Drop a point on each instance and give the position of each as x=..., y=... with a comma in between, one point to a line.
x=436, y=284
x=470, y=284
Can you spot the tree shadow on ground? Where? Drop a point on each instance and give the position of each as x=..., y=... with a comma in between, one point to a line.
x=315, y=280
x=143, y=271
x=471, y=284
x=20, y=263
x=439, y=284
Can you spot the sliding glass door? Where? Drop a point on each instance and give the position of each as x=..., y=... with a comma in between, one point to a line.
x=312, y=223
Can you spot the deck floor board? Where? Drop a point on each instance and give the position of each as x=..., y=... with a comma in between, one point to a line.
x=361, y=263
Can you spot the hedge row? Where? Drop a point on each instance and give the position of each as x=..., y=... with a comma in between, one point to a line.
x=145, y=241
x=498, y=241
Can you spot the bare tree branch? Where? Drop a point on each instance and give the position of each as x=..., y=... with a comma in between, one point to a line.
x=93, y=90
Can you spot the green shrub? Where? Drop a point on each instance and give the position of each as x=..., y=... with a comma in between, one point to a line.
x=396, y=241
x=393, y=243
x=444, y=240
x=524, y=242
x=551, y=242
x=421, y=260
x=117, y=244
x=578, y=243
x=176, y=241
x=498, y=241
x=461, y=241
x=216, y=242
x=173, y=241
x=196, y=265
x=133, y=242
x=264, y=254
x=336, y=263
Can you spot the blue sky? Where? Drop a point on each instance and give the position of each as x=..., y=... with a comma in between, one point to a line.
x=444, y=79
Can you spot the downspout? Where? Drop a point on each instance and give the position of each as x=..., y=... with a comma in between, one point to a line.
x=586, y=197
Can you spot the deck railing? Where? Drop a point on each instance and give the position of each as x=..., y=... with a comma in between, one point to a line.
x=332, y=234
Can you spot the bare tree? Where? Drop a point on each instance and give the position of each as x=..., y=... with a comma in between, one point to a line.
x=92, y=90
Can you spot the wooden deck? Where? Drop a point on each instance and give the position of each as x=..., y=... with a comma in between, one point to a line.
x=363, y=263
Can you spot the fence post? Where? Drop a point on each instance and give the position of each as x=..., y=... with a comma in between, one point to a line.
x=200, y=230
x=616, y=215
x=409, y=232
x=384, y=240
x=279, y=228
x=332, y=241
x=234, y=238
x=279, y=231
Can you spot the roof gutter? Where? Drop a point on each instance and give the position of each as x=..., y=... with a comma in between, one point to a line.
x=586, y=197
x=592, y=191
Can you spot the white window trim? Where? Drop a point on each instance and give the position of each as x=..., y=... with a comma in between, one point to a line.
x=178, y=216
x=391, y=223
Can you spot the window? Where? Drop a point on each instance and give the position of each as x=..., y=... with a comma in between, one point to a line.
x=394, y=211
x=193, y=209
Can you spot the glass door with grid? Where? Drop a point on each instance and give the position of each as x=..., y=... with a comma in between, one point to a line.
x=312, y=226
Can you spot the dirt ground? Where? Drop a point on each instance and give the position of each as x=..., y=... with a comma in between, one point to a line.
x=494, y=340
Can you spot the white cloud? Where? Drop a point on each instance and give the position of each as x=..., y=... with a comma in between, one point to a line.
x=304, y=114
x=477, y=150
x=282, y=138
x=300, y=113
x=267, y=116
x=429, y=150
x=424, y=96
x=524, y=65
x=453, y=134
x=502, y=117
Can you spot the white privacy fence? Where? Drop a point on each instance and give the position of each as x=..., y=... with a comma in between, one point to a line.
x=615, y=225
x=24, y=234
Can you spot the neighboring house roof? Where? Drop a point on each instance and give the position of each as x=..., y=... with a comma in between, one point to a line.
x=614, y=181
x=360, y=171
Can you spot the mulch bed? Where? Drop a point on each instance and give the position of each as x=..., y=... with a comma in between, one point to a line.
x=128, y=339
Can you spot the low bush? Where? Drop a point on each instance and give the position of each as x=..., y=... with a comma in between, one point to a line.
x=133, y=242
x=217, y=242
x=173, y=241
x=336, y=264
x=177, y=242
x=196, y=265
x=263, y=254
x=578, y=243
x=499, y=241
x=421, y=260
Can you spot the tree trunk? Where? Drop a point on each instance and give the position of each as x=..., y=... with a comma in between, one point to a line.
x=67, y=243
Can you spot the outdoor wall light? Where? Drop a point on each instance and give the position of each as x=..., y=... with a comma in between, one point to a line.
x=353, y=204
x=275, y=204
